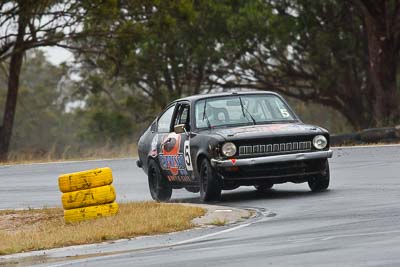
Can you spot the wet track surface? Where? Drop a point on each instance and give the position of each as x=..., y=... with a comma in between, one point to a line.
x=355, y=223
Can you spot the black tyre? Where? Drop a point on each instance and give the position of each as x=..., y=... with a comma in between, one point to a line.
x=160, y=188
x=320, y=182
x=192, y=189
x=210, y=183
x=264, y=187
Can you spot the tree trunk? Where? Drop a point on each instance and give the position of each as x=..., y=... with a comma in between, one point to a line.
x=383, y=69
x=12, y=90
x=383, y=66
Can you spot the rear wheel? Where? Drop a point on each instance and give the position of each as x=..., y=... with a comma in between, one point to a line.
x=264, y=187
x=210, y=183
x=320, y=182
x=160, y=187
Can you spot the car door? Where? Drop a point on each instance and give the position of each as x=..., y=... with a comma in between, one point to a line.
x=183, y=117
x=175, y=159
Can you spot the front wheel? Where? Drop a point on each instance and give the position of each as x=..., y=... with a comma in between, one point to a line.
x=160, y=187
x=320, y=182
x=210, y=183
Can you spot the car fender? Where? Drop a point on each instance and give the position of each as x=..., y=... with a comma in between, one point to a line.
x=208, y=152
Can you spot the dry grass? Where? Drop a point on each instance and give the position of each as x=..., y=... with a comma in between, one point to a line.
x=107, y=151
x=218, y=222
x=45, y=228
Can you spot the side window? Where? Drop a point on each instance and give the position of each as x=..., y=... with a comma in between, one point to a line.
x=182, y=116
x=164, y=122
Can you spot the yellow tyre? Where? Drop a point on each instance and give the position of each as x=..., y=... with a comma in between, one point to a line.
x=93, y=212
x=84, y=180
x=89, y=197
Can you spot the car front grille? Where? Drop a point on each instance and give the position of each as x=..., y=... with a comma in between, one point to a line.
x=274, y=148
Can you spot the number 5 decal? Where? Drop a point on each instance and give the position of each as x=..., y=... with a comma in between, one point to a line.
x=188, y=159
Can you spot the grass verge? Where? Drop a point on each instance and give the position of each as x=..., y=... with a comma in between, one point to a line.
x=39, y=229
x=218, y=222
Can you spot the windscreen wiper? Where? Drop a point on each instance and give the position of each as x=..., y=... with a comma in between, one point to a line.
x=243, y=109
x=205, y=114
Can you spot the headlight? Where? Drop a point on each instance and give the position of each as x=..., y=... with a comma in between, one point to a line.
x=229, y=149
x=320, y=142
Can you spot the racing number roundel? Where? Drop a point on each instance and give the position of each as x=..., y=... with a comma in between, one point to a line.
x=186, y=153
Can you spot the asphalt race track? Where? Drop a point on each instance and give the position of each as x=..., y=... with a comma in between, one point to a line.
x=355, y=223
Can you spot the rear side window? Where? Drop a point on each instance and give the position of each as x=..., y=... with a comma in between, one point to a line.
x=153, y=126
x=164, y=122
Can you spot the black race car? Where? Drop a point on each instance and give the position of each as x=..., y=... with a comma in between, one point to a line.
x=210, y=143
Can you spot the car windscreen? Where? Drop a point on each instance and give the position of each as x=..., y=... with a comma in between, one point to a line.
x=241, y=110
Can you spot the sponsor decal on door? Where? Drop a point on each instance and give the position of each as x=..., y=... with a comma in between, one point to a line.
x=173, y=160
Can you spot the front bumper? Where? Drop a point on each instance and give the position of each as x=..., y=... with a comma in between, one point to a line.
x=272, y=159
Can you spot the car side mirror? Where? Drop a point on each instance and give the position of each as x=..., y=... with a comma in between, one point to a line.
x=180, y=128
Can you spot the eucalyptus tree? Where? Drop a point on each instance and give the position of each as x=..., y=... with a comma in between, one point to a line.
x=156, y=50
x=342, y=54
x=24, y=25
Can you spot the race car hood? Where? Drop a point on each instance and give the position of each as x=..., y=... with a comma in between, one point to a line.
x=268, y=130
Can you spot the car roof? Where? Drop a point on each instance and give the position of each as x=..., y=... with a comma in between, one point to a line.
x=193, y=98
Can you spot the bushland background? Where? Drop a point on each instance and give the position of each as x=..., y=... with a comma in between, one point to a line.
x=336, y=62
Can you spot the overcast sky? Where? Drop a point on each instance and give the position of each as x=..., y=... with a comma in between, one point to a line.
x=57, y=55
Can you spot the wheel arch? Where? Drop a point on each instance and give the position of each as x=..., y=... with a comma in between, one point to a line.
x=199, y=159
x=147, y=163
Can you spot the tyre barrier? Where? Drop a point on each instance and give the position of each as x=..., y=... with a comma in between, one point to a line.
x=84, y=180
x=87, y=194
x=367, y=136
x=92, y=212
x=89, y=197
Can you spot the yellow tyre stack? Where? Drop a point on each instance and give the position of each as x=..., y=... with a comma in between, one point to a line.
x=92, y=212
x=84, y=180
x=88, y=194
